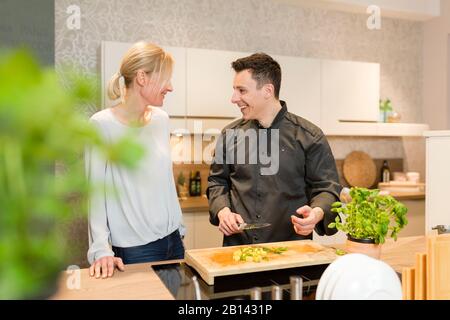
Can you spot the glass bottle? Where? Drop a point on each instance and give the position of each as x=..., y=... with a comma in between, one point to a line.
x=198, y=184
x=192, y=184
x=385, y=172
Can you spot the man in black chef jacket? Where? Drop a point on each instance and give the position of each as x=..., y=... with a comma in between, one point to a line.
x=270, y=166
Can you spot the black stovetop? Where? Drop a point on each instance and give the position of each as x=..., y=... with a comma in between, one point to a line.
x=178, y=279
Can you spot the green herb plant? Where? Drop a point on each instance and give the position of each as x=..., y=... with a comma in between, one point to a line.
x=370, y=215
x=385, y=107
x=43, y=186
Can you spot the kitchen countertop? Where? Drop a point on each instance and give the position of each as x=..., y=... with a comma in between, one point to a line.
x=401, y=253
x=194, y=204
x=200, y=204
x=139, y=281
x=408, y=195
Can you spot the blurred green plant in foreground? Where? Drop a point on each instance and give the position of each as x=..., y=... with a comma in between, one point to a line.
x=40, y=129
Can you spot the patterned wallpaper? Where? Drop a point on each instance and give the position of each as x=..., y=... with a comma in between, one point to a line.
x=251, y=25
x=257, y=25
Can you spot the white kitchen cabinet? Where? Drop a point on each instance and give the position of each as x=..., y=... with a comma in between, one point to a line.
x=415, y=216
x=341, y=97
x=175, y=101
x=200, y=233
x=206, y=235
x=300, y=86
x=209, y=82
x=112, y=54
x=437, y=179
x=189, y=224
x=350, y=92
x=211, y=126
x=178, y=125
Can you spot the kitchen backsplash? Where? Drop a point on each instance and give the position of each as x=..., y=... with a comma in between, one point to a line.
x=186, y=169
x=378, y=149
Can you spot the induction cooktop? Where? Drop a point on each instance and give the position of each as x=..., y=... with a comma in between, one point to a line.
x=184, y=283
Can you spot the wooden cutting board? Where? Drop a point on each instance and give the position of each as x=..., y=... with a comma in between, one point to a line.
x=420, y=281
x=216, y=262
x=408, y=285
x=359, y=170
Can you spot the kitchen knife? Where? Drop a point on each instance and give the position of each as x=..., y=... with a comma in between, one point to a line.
x=250, y=226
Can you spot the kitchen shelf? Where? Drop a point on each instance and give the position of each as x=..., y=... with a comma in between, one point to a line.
x=437, y=133
x=377, y=129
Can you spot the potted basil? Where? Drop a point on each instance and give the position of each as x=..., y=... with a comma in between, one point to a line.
x=368, y=219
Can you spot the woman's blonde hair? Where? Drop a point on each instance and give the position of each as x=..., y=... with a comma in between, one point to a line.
x=144, y=56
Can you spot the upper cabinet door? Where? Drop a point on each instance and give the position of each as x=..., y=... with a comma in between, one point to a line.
x=350, y=92
x=300, y=86
x=174, y=103
x=111, y=57
x=210, y=83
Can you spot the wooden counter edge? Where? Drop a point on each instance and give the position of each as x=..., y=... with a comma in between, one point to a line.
x=398, y=254
x=194, y=204
x=408, y=195
x=137, y=282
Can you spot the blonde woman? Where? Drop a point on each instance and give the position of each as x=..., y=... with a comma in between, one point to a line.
x=136, y=217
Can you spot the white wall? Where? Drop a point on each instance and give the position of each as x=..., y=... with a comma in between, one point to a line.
x=448, y=81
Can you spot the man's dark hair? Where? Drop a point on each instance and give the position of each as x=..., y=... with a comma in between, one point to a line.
x=264, y=70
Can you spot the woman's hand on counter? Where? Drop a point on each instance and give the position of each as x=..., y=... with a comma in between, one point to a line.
x=229, y=221
x=104, y=267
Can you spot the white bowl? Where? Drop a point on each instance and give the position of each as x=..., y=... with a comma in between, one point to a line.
x=359, y=277
x=328, y=278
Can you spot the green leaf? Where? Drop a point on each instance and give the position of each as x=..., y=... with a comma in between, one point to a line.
x=336, y=205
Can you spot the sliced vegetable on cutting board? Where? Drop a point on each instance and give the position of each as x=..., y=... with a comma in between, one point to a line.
x=256, y=254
